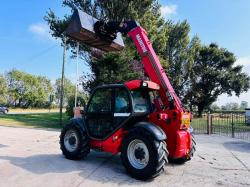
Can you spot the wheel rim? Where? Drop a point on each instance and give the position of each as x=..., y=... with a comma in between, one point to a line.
x=71, y=140
x=138, y=154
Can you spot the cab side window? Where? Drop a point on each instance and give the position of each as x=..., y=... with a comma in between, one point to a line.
x=101, y=101
x=141, y=102
x=121, y=101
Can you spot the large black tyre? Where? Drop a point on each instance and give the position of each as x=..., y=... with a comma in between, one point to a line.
x=155, y=154
x=193, y=146
x=74, y=142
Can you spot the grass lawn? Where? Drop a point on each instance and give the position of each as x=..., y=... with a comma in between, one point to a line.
x=32, y=110
x=40, y=120
x=220, y=125
x=51, y=120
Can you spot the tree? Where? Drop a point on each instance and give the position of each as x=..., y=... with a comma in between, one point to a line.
x=193, y=51
x=69, y=90
x=15, y=86
x=81, y=100
x=231, y=106
x=45, y=90
x=234, y=106
x=148, y=14
x=214, y=73
x=108, y=10
x=177, y=55
x=26, y=90
x=214, y=107
x=243, y=105
x=156, y=28
x=3, y=90
x=111, y=68
x=198, y=73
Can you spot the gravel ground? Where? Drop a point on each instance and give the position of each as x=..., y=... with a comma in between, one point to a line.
x=31, y=157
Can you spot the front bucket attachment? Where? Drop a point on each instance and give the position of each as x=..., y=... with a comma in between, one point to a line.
x=81, y=28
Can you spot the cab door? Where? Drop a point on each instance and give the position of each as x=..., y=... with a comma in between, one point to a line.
x=122, y=106
x=99, y=113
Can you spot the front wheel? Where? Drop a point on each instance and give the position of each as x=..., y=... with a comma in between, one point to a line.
x=142, y=155
x=74, y=142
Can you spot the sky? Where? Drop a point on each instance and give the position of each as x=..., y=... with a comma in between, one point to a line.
x=27, y=45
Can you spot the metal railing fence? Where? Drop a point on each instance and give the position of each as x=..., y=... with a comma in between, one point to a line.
x=232, y=124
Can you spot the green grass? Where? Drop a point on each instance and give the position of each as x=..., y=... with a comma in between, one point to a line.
x=220, y=124
x=40, y=120
x=51, y=120
x=199, y=123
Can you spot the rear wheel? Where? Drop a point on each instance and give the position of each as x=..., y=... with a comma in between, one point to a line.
x=193, y=146
x=142, y=155
x=74, y=142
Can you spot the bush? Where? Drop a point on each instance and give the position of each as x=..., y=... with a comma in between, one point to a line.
x=71, y=104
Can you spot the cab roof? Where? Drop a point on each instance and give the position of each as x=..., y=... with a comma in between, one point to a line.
x=136, y=84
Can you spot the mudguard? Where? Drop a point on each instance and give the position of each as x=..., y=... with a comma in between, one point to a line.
x=78, y=122
x=156, y=131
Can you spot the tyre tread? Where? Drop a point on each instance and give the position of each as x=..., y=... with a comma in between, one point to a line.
x=84, y=149
x=158, y=146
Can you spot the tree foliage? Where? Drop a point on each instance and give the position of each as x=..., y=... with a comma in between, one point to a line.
x=69, y=90
x=215, y=107
x=177, y=54
x=111, y=68
x=3, y=90
x=214, y=73
x=106, y=10
x=232, y=106
x=26, y=90
x=71, y=104
x=243, y=105
x=199, y=73
x=21, y=89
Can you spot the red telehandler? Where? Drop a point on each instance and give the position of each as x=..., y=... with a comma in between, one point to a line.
x=142, y=120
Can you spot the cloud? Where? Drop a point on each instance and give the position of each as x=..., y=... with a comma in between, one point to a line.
x=40, y=30
x=168, y=10
x=245, y=62
x=224, y=98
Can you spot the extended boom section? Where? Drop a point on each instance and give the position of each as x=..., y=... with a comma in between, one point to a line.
x=153, y=67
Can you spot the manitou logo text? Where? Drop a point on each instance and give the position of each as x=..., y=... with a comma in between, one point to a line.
x=144, y=49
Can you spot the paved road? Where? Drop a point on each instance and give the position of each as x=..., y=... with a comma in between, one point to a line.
x=31, y=157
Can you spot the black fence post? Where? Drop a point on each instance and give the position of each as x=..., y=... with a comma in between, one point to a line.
x=232, y=125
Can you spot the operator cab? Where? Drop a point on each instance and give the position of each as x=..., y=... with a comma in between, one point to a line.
x=117, y=105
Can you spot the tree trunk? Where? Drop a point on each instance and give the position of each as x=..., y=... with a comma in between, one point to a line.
x=19, y=103
x=200, y=110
